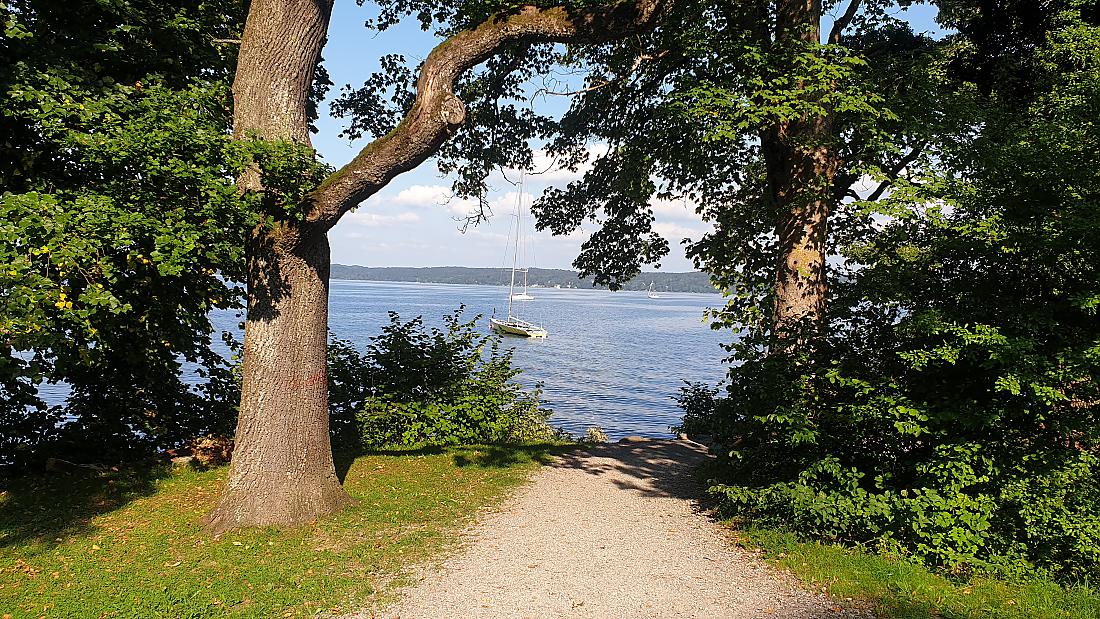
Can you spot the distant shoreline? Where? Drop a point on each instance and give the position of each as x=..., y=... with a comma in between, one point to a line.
x=691, y=281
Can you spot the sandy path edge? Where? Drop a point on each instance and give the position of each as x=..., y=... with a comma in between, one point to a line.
x=608, y=531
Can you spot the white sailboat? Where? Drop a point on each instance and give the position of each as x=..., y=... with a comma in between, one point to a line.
x=514, y=325
x=651, y=293
x=523, y=296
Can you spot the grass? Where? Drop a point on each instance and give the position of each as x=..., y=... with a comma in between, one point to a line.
x=131, y=543
x=898, y=589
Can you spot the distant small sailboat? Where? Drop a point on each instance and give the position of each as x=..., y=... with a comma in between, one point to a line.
x=514, y=325
x=651, y=293
x=523, y=296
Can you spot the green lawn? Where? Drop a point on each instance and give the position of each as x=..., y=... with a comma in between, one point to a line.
x=131, y=543
x=896, y=589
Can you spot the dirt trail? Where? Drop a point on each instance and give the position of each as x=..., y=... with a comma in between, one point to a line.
x=606, y=532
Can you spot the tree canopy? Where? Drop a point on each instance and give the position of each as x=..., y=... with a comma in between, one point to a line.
x=121, y=225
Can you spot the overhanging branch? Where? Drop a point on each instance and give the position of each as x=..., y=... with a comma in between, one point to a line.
x=437, y=112
x=842, y=22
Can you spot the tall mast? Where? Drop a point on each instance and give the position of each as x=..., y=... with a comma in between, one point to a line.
x=515, y=252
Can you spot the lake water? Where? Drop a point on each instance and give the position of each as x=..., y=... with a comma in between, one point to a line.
x=613, y=360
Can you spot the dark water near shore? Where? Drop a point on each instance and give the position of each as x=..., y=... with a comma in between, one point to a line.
x=613, y=360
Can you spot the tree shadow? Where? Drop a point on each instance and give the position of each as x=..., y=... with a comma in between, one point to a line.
x=654, y=468
x=507, y=455
x=342, y=460
x=501, y=455
x=44, y=508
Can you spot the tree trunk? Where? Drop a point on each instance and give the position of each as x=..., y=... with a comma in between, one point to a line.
x=801, y=166
x=282, y=471
x=800, y=181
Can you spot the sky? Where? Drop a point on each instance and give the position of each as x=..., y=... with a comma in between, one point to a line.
x=415, y=221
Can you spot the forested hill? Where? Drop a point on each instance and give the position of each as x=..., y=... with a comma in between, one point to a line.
x=662, y=282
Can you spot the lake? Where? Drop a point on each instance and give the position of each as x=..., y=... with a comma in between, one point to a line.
x=612, y=359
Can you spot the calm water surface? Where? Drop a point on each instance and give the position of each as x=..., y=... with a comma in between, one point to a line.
x=612, y=359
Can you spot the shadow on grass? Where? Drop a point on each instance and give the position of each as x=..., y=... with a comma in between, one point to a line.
x=485, y=456
x=41, y=508
x=503, y=456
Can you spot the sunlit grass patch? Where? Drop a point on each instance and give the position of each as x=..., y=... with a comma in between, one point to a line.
x=132, y=544
x=894, y=588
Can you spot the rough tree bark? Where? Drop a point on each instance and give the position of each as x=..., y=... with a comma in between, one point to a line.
x=282, y=471
x=801, y=165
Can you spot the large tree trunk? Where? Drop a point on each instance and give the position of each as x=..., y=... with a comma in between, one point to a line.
x=801, y=166
x=282, y=471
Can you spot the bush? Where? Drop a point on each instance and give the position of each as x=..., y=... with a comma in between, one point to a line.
x=897, y=459
x=418, y=386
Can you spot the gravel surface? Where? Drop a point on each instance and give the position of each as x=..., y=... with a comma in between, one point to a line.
x=609, y=531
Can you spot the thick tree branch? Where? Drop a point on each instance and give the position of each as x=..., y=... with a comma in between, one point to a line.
x=842, y=22
x=437, y=112
x=892, y=173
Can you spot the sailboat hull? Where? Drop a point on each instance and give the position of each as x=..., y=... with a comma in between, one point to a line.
x=514, y=326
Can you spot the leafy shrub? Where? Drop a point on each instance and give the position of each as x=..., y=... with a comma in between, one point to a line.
x=950, y=490
x=418, y=386
x=595, y=435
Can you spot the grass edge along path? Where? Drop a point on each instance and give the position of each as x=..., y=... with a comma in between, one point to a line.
x=131, y=543
x=896, y=589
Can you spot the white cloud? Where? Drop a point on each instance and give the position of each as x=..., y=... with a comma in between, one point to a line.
x=505, y=204
x=575, y=237
x=547, y=169
x=673, y=232
x=430, y=196
x=679, y=209
x=479, y=233
x=377, y=220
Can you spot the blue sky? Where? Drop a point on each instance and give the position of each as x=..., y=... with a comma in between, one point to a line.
x=414, y=221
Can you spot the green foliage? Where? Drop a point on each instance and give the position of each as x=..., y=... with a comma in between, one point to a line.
x=950, y=410
x=416, y=386
x=122, y=227
x=288, y=172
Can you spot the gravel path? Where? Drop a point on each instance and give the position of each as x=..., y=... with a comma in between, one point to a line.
x=606, y=532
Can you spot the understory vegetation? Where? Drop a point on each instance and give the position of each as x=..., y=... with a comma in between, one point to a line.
x=417, y=386
x=131, y=543
x=412, y=386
